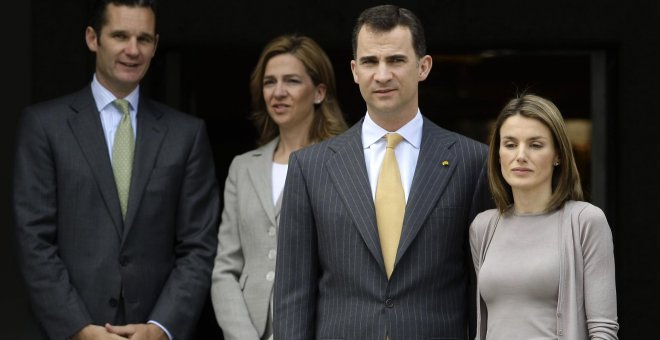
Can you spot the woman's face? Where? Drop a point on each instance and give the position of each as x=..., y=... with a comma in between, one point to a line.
x=527, y=155
x=289, y=92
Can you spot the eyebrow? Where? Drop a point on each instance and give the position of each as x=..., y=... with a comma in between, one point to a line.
x=396, y=56
x=140, y=35
x=368, y=58
x=285, y=76
x=530, y=138
x=387, y=58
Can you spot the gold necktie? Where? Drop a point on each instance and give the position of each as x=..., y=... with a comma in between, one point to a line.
x=390, y=203
x=122, y=154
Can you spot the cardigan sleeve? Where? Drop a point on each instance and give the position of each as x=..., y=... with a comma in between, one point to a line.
x=599, y=280
x=480, y=232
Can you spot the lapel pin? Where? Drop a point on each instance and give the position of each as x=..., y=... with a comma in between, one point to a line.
x=445, y=163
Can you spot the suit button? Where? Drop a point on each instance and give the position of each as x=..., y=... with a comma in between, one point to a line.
x=271, y=231
x=112, y=302
x=270, y=276
x=124, y=261
x=389, y=303
x=271, y=254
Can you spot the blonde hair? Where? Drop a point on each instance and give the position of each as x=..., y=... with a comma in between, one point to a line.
x=328, y=117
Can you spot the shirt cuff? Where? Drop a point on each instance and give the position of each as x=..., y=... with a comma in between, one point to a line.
x=169, y=336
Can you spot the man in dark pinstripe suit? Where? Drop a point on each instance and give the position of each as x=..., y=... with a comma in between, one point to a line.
x=331, y=281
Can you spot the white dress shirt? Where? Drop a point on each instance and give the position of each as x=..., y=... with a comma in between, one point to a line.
x=407, y=152
x=110, y=118
x=110, y=115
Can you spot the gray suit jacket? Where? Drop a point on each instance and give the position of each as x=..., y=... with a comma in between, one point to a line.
x=247, y=239
x=331, y=281
x=81, y=263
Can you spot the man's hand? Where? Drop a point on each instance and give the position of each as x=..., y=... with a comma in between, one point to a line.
x=140, y=331
x=93, y=332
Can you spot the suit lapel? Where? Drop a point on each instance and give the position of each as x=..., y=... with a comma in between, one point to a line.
x=260, y=175
x=86, y=127
x=430, y=180
x=348, y=172
x=150, y=134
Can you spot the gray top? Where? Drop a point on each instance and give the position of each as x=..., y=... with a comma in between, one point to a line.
x=519, y=278
x=586, y=301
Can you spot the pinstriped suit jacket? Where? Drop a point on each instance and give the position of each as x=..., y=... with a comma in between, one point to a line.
x=331, y=281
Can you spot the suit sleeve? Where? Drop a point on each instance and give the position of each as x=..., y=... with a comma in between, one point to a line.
x=230, y=307
x=296, y=281
x=599, y=279
x=482, y=199
x=55, y=302
x=185, y=292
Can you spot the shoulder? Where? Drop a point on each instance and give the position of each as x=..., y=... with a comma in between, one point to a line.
x=484, y=219
x=584, y=211
x=248, y=157
x=454, y=140
x=588, y=218
x=482, y=226
x=61, y=106
x=174, y=117
x=349, y=141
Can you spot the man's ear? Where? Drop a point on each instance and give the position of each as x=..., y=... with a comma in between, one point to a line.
x=91, y=38
x=353, y=65
x=425, y=64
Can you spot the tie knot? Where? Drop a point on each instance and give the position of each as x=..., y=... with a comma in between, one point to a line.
x=122, y=105
x=393, y=139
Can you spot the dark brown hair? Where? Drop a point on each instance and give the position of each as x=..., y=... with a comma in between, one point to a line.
x=565, y=176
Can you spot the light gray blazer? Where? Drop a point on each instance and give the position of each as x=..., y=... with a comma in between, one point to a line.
x=244, y=268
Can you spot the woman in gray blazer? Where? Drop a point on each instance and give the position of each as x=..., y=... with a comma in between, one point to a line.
x=294, y=104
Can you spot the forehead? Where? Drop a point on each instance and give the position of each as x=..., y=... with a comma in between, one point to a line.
x=395, y=41
x=283, y=64
x=524, y=127
x=128, y=18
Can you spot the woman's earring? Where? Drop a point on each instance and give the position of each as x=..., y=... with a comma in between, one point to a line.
x=556, y=163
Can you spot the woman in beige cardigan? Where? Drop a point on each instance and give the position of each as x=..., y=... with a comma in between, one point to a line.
x=544, y=258
x=294, y=104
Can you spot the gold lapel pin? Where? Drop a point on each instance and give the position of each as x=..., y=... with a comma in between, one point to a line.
x=445, y=163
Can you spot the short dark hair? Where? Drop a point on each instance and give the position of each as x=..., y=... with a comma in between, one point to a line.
x=385, y=18
x=98, y=18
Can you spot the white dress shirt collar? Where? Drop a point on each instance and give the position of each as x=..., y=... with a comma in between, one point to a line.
x=103, y=97
x=411, y=132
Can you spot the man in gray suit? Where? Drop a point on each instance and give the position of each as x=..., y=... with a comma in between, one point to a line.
x=111, y=245
x=332, y=281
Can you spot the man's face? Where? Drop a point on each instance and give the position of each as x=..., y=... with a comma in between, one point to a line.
x=124, y=47
x=388, y=72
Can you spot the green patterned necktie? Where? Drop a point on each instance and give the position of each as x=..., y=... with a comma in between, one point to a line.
x=122, y=154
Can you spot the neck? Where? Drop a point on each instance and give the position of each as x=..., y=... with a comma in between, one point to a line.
x=392, y=121
x=290, y=141
x=531, y=201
